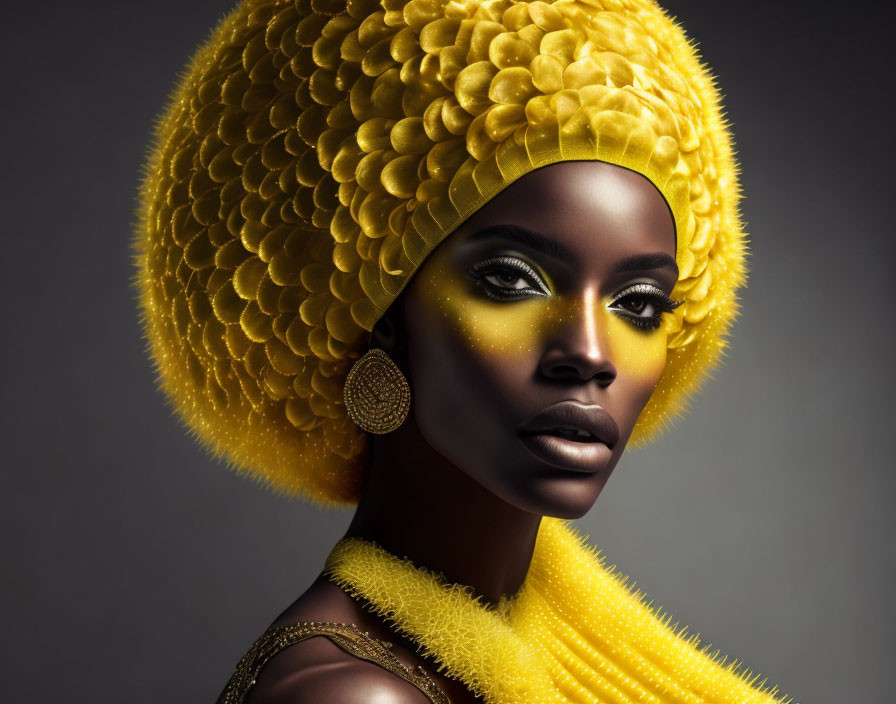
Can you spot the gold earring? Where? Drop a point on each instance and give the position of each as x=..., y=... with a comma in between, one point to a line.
x=377, y=395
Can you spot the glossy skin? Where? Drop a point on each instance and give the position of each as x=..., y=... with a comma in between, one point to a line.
x=480, y=367
x=457, y=488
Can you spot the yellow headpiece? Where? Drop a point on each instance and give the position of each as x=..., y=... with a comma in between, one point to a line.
x=315, y=152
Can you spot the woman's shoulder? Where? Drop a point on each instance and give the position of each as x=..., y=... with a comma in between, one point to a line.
x=326, y=647
x=317, y=670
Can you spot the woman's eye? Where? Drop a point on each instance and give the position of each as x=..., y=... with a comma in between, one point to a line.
x=639, y=304
x=504, y=278
x=643, y=305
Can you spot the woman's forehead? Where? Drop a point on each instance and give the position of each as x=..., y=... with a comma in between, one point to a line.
x=579, y=209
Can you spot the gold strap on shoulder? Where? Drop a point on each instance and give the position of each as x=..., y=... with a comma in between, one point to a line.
x=346, y=636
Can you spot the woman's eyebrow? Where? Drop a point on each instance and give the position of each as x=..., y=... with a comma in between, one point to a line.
x=642, y=262
x=527, y=238
x=532, y=239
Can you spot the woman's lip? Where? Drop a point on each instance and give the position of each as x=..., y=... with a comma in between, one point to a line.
x=588, y=457
x=589, y=418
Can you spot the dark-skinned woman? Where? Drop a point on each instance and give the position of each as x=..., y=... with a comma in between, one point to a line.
x=446, y=261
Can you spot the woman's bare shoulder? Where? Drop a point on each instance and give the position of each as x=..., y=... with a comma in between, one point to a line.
x=317, y=670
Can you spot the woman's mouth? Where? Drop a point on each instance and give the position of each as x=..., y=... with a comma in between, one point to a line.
x=575, y=434
x=571, y=435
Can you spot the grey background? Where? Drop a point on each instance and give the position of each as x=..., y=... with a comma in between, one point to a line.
x=136, y=569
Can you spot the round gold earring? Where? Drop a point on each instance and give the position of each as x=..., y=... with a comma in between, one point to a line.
x=376, y=393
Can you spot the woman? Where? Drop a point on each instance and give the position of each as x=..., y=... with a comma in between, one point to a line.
x=445, y=260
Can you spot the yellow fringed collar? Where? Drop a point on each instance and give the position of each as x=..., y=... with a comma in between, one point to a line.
x=574, y=633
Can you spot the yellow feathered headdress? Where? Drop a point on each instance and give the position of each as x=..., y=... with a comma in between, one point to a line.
x=316, y=152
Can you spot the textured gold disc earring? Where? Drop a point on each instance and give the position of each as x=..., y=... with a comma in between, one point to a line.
x=377, y=395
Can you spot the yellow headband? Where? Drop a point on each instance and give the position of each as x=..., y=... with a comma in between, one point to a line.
x=316, y=152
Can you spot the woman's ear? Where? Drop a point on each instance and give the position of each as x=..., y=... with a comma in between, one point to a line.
x=388, y=333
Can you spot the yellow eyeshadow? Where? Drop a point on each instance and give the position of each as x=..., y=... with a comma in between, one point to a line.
x=492, y=326
x=518, y=328
x=635, y=352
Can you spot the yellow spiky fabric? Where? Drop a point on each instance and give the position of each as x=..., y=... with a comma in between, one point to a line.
x=576, y=632
x=315, y=152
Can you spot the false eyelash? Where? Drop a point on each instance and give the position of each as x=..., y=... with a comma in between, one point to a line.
x=660, y=300
x=666, y=304
x=641, y=322
x=498, y=264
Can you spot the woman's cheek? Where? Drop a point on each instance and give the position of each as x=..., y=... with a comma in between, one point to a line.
x=636, y=353
x=512, y=328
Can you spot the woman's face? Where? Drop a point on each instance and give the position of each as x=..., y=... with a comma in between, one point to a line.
x=534, y=333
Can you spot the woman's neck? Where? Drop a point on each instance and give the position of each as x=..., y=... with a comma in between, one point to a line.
x=418, y=505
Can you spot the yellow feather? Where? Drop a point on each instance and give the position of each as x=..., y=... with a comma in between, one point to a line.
x=576, y=631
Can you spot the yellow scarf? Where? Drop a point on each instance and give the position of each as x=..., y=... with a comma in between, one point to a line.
x=576, y=632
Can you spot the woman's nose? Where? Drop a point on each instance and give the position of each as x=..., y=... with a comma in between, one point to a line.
x=579, y=348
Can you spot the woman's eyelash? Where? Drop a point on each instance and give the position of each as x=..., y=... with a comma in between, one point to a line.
x=508, y=265
x=647, y=295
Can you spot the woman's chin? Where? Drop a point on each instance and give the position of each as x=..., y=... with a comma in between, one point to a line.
x=560, y=494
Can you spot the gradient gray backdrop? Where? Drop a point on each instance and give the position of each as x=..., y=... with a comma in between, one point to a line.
x=138, y=570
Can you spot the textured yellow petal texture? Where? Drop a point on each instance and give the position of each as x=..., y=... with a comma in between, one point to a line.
x=576, y=632
x=314, y=153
